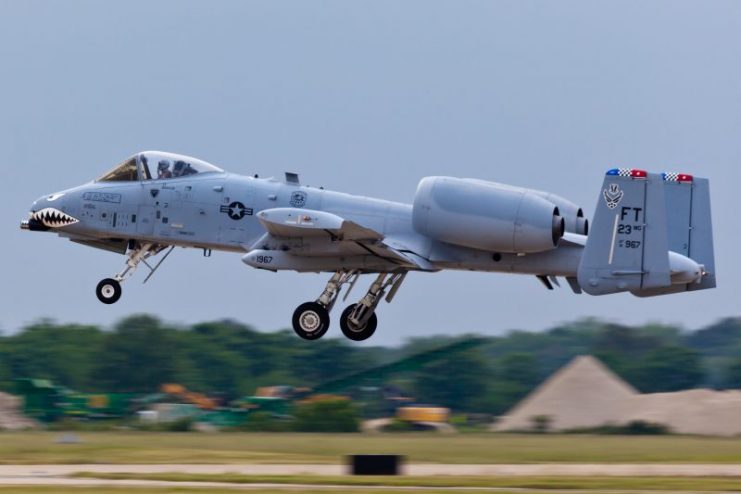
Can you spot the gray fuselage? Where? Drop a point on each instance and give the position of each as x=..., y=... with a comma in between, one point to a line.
x=218, y=211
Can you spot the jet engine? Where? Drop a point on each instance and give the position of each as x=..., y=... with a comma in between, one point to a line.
x=486, y=215
x=572, y=214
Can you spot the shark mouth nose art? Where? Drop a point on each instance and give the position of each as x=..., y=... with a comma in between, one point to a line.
x=53, y=218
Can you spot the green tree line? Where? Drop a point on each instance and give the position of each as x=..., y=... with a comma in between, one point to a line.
x=229, y=359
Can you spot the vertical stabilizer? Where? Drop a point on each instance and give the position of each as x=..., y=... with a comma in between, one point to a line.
x=628, y=245
x=690, y=229
x=701, y=234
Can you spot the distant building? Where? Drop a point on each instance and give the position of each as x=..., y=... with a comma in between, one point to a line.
x=586, y=394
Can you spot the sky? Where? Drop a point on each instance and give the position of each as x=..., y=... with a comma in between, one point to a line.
x=365, y=97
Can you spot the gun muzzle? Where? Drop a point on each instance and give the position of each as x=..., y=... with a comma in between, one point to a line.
x=34, y=225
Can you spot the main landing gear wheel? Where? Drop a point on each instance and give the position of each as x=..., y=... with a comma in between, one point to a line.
x=354, y=332
x=108, y=291
x=311, y=321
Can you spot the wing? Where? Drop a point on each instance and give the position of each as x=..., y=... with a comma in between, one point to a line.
x=319, y=233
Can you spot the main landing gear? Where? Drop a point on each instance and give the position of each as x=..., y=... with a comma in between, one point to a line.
x=109, y=290
x=358, y=321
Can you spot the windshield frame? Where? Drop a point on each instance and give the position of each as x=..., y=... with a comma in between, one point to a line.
x=146, y=159
x=104, y=177
x=149, y=159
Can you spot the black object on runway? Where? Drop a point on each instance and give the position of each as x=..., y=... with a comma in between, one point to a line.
x=375, y=464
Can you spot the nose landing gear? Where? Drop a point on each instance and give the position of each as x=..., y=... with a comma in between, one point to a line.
x=109, y=290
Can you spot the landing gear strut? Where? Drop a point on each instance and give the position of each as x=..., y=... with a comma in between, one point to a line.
x=109, y=290
x=358, y=321
x=311, y=319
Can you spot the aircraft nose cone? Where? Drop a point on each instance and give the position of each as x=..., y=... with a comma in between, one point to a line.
x=32, y=223
x=47, y=200
x=48, y=212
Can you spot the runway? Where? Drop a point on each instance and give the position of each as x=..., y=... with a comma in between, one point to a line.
x=62, y=479
x=417, y=470
x=427, y=469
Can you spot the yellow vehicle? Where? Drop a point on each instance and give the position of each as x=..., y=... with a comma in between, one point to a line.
x=423, y=414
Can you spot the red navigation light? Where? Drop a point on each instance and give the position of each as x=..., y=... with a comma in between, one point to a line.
x=681, y=178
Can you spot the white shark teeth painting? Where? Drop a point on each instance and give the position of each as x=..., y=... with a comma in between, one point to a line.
x=53, y=218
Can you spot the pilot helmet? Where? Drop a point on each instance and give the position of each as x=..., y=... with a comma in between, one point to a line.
x=179, y=165
x=163, y=165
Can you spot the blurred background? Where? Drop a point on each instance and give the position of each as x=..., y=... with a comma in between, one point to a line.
x=227, y=375
x=146, y=373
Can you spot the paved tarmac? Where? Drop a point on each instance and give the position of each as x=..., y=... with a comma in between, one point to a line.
x=417, y=469
x=59, y=475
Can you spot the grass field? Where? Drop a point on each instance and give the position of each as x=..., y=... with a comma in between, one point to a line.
x=128, y=447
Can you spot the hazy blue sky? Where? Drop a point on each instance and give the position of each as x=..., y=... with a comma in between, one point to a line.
x=365, y=97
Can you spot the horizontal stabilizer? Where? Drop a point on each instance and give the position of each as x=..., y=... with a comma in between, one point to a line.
x=573, y=239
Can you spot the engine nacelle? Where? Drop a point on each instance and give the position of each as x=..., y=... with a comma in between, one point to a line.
x=486, y=215
x=571, y=213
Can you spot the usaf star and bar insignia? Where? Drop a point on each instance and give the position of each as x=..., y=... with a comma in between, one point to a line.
x=236, y=210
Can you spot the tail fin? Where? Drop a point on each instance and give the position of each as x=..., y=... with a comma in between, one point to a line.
x=640, y=218
x=627, y=248
x=690, y=228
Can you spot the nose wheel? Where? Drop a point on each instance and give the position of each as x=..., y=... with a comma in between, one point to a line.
x=311, y=320
x=108, y=291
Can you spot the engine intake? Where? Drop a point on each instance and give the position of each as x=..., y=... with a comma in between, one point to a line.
x=486, y=215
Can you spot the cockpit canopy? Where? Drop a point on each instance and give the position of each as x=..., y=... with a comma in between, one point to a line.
x=157, y=165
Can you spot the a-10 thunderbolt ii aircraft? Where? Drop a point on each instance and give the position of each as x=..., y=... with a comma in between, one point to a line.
x=651, y=233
